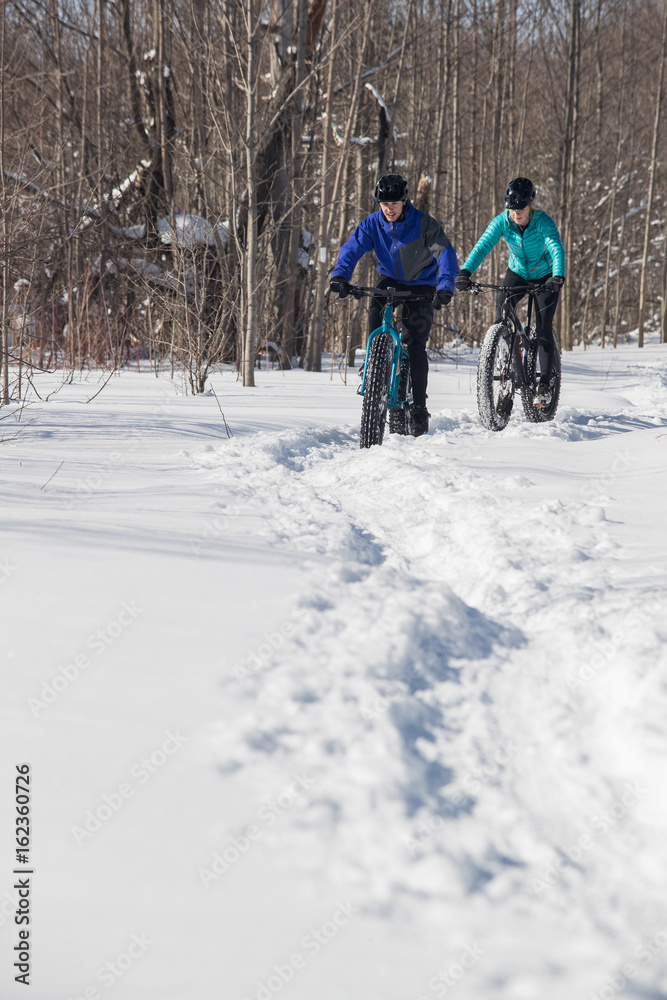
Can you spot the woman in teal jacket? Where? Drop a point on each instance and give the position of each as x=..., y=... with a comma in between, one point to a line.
x=537, y=257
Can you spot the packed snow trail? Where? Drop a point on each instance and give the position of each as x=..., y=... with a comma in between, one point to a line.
x=415, y=694
x=477, y=643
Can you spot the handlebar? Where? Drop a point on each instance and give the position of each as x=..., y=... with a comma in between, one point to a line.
x=477, y=286
x=389, y=293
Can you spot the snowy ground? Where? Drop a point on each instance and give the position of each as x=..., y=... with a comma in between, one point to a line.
x=332, y=724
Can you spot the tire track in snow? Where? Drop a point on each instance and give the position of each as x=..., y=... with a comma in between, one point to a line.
x=375, y=675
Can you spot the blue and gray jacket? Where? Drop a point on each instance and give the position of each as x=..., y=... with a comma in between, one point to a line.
x=414, y=251
x=534, y=253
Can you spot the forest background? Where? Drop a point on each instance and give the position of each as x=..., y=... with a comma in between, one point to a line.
x=177, y=176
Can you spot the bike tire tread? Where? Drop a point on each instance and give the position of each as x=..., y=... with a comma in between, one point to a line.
x=541, y=414
x=493, y=416
x=376, y=392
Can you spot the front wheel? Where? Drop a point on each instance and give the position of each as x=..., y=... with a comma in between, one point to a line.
x=399, y=419
x=540, y=414
x=376, y=391
x=495, y=386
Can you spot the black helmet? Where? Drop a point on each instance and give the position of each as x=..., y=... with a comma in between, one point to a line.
x=519, y=193
x=391, y=187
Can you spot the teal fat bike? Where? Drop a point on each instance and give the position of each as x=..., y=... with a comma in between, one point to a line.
x=509, y=360
x=386, y=385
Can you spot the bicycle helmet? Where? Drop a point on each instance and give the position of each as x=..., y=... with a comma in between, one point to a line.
x=391, y=187
x=519, y=193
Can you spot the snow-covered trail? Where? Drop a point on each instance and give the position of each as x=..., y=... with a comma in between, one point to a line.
x=480, y=645
x=424, y=696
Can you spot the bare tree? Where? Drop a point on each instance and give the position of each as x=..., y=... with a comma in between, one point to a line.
x=651, y=184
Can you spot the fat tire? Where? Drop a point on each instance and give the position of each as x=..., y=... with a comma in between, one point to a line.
x=376, y=392
x=495, y=385
x=540, y=414
x=399, y=419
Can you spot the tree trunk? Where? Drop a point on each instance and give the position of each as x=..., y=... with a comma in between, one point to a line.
x=351, y=118
x=663, y=300
x=4, y=346
x=162, y=105
x=651, y=183
x=443, y=69
x=296, y=214
x=250, y=338
x=456, y=203
x=614, y=191
x=388, y=150
x=498, y=74
x=314, y=352
x=568, y=162
x=100, y=103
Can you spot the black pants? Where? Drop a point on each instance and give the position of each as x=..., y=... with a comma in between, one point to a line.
x=417, y=320
x=546, y=303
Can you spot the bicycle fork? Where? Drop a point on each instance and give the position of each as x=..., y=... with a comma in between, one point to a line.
x=398, y=357
x=518, y=353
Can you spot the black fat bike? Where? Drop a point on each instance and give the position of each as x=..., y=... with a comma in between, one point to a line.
x=509, y=360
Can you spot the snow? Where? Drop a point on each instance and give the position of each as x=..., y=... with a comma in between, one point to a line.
x=378, y=97
x=118, y=192
x=192, y=230
x=321, y=722
x=137, y=232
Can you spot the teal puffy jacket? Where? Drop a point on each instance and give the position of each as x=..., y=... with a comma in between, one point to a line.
x=534, y=254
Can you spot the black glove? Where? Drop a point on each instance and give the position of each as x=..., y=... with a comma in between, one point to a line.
x=443, y=297
x=463, y=282
x=555, y=283
x=341, y=286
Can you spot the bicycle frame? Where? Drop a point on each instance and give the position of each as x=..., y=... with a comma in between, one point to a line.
x=399, y=353
x=509, y=315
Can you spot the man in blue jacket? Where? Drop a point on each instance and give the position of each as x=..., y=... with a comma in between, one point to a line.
x=413, y=254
